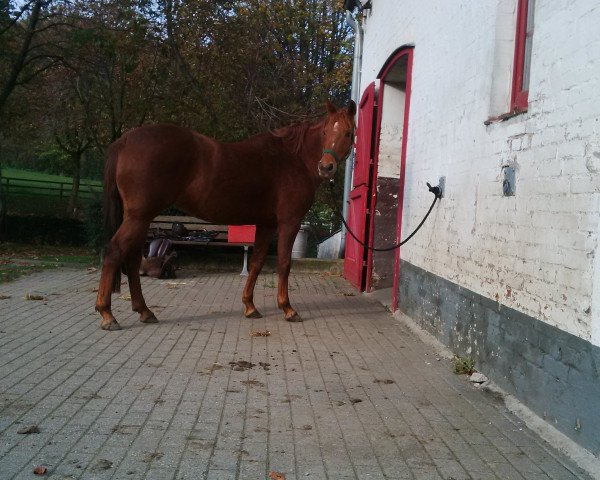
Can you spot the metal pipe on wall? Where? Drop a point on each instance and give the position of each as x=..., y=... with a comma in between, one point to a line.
x=354, y=95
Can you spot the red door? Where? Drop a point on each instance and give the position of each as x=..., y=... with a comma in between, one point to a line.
x=354, y=258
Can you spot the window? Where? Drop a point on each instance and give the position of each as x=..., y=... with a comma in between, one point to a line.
x=522, y=62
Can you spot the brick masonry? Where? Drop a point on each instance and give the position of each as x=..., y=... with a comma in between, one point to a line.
x=554, y=372
x=536, y=251
x=518, y=276
x=350, y=393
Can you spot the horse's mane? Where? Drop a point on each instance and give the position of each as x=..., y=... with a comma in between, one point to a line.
x=293, y=135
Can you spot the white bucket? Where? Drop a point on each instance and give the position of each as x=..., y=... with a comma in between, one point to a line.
x=300, y=244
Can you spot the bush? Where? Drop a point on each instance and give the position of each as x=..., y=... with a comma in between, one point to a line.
x=54, y=162
x=37, y=230
x=464, y=365
x=93, y=164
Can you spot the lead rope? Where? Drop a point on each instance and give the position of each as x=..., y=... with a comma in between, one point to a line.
x=437, y=191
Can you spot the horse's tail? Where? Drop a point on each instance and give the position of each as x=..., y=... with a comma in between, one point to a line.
x=113, y=206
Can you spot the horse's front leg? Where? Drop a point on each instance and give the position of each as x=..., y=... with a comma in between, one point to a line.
x=259, y=253
x=286, y=236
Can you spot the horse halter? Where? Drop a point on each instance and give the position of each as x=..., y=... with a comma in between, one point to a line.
x=332, y=153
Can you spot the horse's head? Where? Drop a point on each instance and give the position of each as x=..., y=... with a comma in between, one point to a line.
x=338, y=134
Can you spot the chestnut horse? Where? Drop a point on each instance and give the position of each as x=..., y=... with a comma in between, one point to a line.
x=268, y=180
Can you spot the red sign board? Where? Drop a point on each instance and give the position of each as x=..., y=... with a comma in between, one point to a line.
x=241, y=233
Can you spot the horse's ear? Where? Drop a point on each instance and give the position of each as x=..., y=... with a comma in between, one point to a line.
x=330, y=107
x=351, y=108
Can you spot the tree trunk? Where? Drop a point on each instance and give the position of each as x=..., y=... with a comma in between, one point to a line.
x=2, y=206
x=17, y=66
x=72, y=207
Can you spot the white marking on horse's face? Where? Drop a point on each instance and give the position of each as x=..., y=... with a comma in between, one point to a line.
x=336, y=129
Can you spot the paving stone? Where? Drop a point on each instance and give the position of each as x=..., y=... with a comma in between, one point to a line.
x=350, y=393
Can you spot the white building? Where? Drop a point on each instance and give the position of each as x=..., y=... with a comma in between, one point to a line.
x=502, y=99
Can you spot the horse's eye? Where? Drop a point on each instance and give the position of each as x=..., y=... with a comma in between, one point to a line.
x=348, y=134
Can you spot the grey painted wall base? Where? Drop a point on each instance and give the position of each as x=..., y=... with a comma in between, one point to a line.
x=554, y=373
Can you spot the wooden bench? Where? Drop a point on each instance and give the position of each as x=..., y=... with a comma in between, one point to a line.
x=203, y=234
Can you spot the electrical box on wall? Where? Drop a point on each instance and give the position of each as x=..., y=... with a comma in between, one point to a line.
x=509, y=181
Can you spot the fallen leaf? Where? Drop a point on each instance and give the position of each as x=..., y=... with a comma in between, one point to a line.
x=102, y=464
x=386, y=381
x=253, y=383
x=266, y=333
x=349, y=294
x=4, y=297
x=149, y=457
x=40, y=470
x=92, y=269
x=265, y=365
x=241, y=365
x=28, y=430
x=31, y=296
x=208, y=371
x=276, y=476
x=125, y=297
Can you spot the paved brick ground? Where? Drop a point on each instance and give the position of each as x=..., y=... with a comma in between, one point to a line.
x=350, y=393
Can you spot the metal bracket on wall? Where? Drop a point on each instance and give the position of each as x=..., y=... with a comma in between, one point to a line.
x=509, y=183
x=442, y=186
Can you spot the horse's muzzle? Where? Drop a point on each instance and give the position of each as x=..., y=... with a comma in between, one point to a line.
x=327, y=170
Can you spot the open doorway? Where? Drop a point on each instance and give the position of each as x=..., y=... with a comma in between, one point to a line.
x=375, y=203
x=388, y=181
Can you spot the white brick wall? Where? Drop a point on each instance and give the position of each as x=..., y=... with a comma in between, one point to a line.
x=392, y=122
x=538, y=251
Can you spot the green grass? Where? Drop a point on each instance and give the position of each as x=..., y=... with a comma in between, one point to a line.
x=24, y=182
x=17, y=260
x=42, y=194
x=464, y=365
x=9, y=272
x=18, y=173
x=71, y=259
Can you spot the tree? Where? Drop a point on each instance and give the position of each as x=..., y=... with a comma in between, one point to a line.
x=100, y=86
x=79, y=73
x=257, y=64
x=114, y=53
x=2, y=205
x=70, y=125
x=23, y=53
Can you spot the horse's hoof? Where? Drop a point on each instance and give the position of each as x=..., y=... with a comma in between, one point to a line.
x=253, y=314
x=150, y=319
x=110, y=326
x=294, y=318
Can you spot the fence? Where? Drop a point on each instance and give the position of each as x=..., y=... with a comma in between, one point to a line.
x=49, y=188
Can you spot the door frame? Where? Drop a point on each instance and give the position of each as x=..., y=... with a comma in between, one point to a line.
x=397, y=55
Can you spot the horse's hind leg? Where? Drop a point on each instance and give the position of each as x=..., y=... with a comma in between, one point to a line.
x=129, y=234
x=261, y=246
x=110, y=266
x=286, y=236
x=138, y=304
